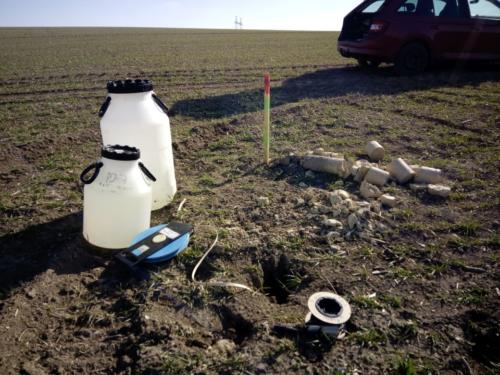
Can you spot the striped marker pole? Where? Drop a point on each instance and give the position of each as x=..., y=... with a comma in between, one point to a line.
x=267, y=116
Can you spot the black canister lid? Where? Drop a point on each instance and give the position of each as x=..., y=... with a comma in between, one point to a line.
x=117, y=152
x=129, y=86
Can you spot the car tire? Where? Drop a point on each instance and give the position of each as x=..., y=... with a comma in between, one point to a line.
x=413, y=58
x=368, y=63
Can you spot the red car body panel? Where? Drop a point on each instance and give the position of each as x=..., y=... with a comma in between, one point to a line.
x=446, y=38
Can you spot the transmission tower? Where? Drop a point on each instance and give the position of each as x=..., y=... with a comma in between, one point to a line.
x=238, y=24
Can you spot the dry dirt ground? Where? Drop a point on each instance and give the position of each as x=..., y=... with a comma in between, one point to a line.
x=424, y=295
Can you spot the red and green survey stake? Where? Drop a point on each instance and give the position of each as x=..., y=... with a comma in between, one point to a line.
x=267, y=116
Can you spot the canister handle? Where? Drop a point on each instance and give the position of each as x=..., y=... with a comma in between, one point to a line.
x=96, y=167
x=104, y=106
x=147, y=172
x=160, y=104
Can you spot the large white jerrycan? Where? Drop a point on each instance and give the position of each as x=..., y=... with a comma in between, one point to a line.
x=133, y=115
x=116, y=198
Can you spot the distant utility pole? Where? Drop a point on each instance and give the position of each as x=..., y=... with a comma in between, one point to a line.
x=238, y=24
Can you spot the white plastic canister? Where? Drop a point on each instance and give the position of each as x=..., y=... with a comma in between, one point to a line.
x=133, y=115
x=116, y=198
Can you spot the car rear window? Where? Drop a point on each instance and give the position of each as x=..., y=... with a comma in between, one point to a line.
x=373, y=6
x=484, y=9
x=437, y=8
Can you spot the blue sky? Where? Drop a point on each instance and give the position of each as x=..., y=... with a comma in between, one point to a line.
x=256, y=14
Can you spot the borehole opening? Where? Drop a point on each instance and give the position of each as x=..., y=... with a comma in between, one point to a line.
x=329, y=306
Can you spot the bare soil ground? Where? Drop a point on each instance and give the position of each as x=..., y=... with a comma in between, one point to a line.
x=434, y=271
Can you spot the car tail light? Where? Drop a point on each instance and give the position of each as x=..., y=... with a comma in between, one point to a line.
x=378, y=26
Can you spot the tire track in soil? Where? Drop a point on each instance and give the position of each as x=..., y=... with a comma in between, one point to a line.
x=179, y=86
x=168, y=73
x=409, y=114
x=101, y=88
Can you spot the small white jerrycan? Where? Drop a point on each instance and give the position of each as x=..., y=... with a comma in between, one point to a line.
x=116, y=198
x=133, y=115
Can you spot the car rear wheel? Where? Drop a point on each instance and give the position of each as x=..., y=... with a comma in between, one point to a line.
x=368, y=63
x=412, y=59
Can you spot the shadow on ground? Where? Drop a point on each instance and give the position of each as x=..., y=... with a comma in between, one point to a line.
x=57, y=245
x=332, y=83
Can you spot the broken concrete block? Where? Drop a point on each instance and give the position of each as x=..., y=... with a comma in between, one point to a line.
x=361, y=172
x=418, y=187
x=333, y=223
x=388, y=200
x=428, y=175
x=400, y=171
x=439, y=190
x=324, y=164
x=348, y=163
x=368, y=190
x=374, y=150
x=377, y=176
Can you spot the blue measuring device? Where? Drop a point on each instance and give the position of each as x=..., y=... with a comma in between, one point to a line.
x=155, y=245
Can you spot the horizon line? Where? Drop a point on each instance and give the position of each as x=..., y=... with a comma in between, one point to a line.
x=157, y=27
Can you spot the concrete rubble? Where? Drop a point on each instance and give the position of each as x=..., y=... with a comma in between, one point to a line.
x=439, y=190
x=371, y=176
x=377, y=176
x=374, y=150
x=324, y=164
x=388, y=200
x=400, y=171
x=428, y=175
x=343, y=215
x=368, y=190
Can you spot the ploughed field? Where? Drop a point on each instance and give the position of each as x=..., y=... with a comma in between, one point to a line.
x=424, y=294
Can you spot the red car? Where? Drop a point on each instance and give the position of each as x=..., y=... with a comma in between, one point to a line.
x=413, y=33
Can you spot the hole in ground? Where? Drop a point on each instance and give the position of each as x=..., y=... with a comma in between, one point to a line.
x=329, y=306
x=236, y=327
x=281, y=278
